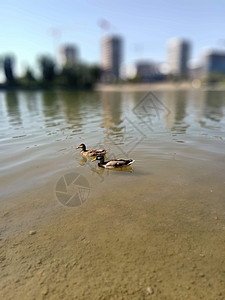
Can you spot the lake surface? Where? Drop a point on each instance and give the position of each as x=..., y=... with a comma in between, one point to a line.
x=39, y=131
x=169, y=206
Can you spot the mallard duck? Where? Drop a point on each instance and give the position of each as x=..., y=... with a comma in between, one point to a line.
x=90, y=153
x=113, y=163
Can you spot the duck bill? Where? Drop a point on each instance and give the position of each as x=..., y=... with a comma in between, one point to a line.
x=93, y=159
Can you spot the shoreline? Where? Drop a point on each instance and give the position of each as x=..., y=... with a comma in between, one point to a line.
x=124, y=87
x=162, y=86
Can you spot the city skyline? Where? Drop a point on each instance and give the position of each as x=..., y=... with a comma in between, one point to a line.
x=29, y=29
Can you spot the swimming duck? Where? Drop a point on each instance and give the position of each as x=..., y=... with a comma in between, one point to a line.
x=90, y=153
x=113, y=163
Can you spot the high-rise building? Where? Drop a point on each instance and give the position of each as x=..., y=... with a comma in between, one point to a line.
x=178, y=56
x=111, y=57
x=68, y=55
x=214, y=61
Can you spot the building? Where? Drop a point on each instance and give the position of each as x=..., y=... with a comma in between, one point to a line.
x=178, y=57
x=214, y=62
x=148, y=71
x=68, y=55
x=111, y=57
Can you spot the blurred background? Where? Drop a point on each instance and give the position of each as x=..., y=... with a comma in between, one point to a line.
x=79, y=43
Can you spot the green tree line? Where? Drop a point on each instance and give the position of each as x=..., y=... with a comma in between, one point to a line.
x=77, y=75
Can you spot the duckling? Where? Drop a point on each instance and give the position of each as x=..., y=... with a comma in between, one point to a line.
x=90, y=153
x=113, y=163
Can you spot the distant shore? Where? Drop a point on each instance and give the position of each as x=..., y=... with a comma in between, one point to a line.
x=122, y=87
x=170, y=86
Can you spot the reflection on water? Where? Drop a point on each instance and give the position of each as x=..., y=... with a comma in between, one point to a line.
x=190, y=109
x=73, y=111
x=13, y=108
x=32, y=102
x=51, y=108
x=214, y=106
x=52, y=123
x=80, y=112
x=180, y=125
x=112, y=113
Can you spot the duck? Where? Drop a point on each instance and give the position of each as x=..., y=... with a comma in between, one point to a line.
x=90, y=153
x=113, y=163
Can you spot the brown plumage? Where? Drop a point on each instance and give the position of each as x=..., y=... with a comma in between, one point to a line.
x=90, y=153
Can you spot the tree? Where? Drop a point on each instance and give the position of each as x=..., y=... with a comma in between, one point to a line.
x=80, y=75
x=69, y=75
x=215, y=77
x=29, y=76
x=47, y=66
x=8, y=64
x=95, y=73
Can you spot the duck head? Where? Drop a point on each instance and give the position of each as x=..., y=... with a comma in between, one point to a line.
x=82, y=147
x=99, y=157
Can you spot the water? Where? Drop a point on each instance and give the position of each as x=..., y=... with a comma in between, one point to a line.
x=164, y=216
x=39, y=130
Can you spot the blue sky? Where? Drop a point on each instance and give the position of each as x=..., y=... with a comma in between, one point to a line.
x=27, y=26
